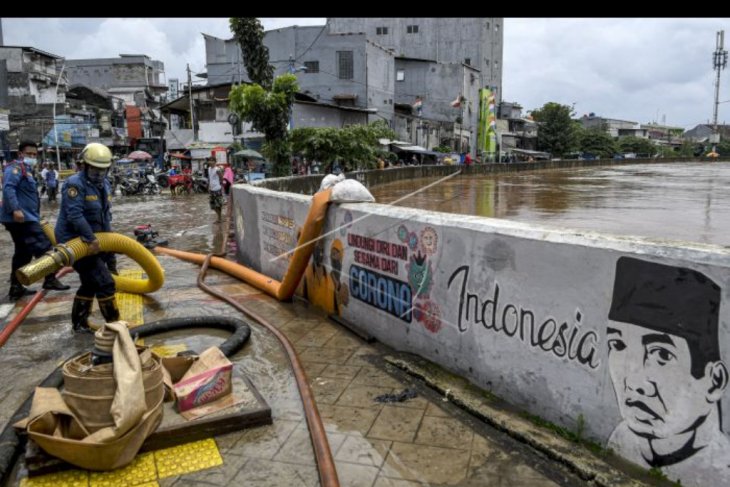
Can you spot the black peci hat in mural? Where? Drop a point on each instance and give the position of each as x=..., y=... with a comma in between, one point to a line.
x=674, y=300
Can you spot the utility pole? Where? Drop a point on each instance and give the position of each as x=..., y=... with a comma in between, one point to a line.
x=462, y=100
x=190, y=96
x=55, y=129
x=719, y=62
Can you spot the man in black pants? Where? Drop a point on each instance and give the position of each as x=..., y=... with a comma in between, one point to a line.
x=21, y=215
x=85, y=209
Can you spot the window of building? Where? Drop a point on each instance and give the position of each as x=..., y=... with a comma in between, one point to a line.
x=412, y=29
x=487, y=25
x=312, y=66
x=400, y=75
x=496, y=27
x=467, y=61
x=345, y=69
x=381, y=31
x=496, y=64
x=486, y=61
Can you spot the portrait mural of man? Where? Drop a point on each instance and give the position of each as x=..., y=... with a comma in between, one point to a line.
x=667, y=373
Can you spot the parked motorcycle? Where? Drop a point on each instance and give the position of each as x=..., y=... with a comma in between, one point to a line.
x=150, y=185
x=130, y=186
x=200, y=183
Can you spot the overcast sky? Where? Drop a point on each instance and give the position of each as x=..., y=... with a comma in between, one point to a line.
x=634, y=69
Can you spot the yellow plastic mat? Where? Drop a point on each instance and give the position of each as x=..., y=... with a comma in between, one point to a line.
x=145, y=471
x=130, y=305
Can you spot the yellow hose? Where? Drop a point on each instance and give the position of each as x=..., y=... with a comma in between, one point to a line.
x=75, y=249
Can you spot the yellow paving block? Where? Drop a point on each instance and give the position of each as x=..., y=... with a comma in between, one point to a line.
x=130, y=305
x=187, y=458
x=140, y=472
x=169, y=350
x=70, y=478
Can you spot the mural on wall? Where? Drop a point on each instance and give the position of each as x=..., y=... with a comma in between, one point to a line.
x=503, y=314
x=279, y=234
x=667, y=373
x=323, y=283
x=420, y=276
x=373, y=277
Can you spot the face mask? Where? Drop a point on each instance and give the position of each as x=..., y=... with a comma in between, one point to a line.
x=96, y=176
x=31, y=161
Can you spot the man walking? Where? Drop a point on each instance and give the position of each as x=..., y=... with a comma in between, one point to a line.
x=215, y=188
x=21, y=216
x=85, y=209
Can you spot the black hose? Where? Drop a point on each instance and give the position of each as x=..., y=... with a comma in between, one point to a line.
x=239, y=329
x=11, y=443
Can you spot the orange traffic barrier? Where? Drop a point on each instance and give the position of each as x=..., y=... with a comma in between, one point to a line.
x=284, y=290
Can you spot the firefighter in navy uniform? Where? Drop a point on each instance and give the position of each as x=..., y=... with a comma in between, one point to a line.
x=20, y=214
x=85, y=209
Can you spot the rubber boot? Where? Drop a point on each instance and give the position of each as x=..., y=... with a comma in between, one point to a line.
x=109, y=309
x=80, y=314
x=52, y=283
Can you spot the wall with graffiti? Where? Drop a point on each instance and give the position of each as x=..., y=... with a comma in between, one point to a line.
x=630, y=335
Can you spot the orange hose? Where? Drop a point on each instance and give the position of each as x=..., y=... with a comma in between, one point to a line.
x=322, y=452
x=284, y=290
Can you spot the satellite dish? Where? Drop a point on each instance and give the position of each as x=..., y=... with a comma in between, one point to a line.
x=233, y=119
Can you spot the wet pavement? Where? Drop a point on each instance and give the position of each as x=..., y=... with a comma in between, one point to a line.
x=423, y=441
x=682, y=201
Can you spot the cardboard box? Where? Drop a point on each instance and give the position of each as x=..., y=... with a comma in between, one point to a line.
x=206, y=379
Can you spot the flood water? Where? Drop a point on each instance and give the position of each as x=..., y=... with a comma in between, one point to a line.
x=678, y=201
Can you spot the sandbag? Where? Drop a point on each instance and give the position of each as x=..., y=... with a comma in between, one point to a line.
x=351, y=191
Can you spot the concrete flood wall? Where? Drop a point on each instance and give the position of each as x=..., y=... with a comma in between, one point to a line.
x=632, y=335
x=310, y=184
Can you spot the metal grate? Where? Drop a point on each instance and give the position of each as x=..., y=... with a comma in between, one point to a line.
x=345, y=69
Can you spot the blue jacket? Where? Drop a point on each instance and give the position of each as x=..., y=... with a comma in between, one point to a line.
x=19, y=193
x=85, y=209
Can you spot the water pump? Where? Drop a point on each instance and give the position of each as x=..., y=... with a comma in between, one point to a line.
x=148, y=237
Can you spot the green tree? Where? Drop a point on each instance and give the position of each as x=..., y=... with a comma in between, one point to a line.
x=687, y=149
x=638, y=145
x=356, y=146
x=556, y=132
x=266, y=103
x=597, y=142
x=723, y=148
x=665, y=151
x=249, y=33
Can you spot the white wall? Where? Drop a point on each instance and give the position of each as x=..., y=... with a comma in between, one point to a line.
x=429, y=272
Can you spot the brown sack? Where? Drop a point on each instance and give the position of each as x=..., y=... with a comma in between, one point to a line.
x=54, y=433
x=62, y=433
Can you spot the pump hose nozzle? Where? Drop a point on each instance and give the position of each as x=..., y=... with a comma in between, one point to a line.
x=48, y=263
x=75, y=249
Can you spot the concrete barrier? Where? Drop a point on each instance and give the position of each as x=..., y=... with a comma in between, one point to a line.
x=628, y=336
x=310, y=184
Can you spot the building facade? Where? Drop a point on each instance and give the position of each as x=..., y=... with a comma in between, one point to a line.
x=35, y=89
x=428, y=101
x=476, y=42
x=135, y=78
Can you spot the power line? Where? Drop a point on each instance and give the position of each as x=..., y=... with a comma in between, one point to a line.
x=314, y=41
